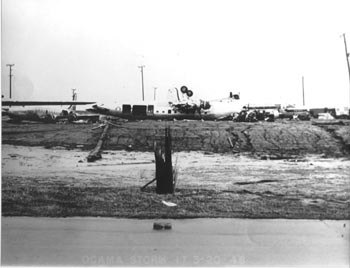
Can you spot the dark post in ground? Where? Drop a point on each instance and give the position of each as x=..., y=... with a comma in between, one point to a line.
x=164, y=167
x=95, y=154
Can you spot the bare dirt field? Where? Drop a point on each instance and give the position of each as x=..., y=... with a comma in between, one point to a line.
x=274, y=170
x=282, y=139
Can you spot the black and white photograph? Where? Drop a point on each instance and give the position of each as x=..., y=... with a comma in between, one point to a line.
x=174, y=133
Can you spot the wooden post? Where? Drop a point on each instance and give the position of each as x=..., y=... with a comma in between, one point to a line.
x=160, y=163
x=95, y=154
x=164, y=167
x=168, y=163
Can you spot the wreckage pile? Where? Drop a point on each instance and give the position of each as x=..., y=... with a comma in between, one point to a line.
x=254, y=116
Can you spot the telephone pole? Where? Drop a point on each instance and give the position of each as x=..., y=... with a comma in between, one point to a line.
x=347, y=60
x=303, y=91
x=10, y=65
x=155, y=90
x=143, y=92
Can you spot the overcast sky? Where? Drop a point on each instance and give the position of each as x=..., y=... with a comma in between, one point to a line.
x=260, y=49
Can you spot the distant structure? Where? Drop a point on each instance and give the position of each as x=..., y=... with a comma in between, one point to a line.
x=10, y=65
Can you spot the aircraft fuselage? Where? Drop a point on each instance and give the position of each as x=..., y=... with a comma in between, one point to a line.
x=218, y=110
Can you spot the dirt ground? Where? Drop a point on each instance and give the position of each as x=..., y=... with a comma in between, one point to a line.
x=274, y=170
x=282, y=139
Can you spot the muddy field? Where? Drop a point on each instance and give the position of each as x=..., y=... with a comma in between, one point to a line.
x=274, y=170
x=282, y=139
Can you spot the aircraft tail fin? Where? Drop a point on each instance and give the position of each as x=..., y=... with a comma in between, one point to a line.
x=73, y=107
x=173, y=95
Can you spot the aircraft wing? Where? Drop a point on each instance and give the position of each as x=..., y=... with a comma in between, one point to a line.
x=102, y=110
x=44, y=103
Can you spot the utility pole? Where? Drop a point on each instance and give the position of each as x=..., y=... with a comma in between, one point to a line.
x=155, y=89
x=10, y=65
x=74, y=95
x=143, y=92
x=303, y=91
x=347, y=60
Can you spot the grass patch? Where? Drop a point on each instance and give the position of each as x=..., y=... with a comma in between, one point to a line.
x=131, y=202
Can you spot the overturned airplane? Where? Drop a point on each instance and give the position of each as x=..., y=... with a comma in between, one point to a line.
x=184, y=107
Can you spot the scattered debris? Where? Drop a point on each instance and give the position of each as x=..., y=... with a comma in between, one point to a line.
x=148, y=183
x=255, y=182
x=95, y=154
x=116, y=125
x=99, y=126
x=229, y=140
x=161, y=226
x=325, y=116
x=328, y=122
x=249, y=115
x=169, y=204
